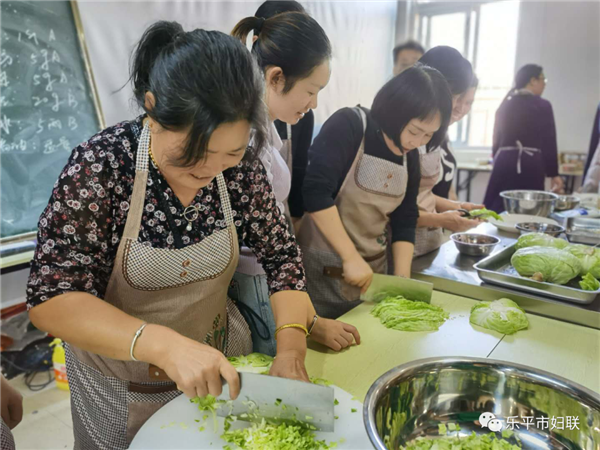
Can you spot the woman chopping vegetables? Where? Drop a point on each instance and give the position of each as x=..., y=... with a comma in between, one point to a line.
x=437, y=213
x=363, y=174
x=141, y=237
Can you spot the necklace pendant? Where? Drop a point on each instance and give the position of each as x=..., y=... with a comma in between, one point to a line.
x=189, y=226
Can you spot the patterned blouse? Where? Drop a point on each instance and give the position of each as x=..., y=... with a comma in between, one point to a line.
x=80, y=229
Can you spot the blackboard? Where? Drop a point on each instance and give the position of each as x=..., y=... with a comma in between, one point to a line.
x=48, y=105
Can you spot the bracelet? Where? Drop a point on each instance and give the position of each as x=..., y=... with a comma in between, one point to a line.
x=135, y=338
x=312, y=326
x=291, y=325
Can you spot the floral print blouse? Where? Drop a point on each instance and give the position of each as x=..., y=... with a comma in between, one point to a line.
x=80, y=229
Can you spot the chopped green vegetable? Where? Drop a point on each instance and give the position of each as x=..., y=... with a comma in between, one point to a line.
x=278, y=402
x=308, y=417
x=453, y=426
x=503, y=316
x=485, y=213
x=197, y=420
x=336, y=402
x=252, y=361
x=353, y=410
x=321, y=381
x=551, y=264
x=400, y=314
x=201, y=429
x=473, y=442
x=589, y=283
x=540, y=240
x=265, y=436
x=442, y=429
x=507, y=434
x=336, y=417
x=209, y=403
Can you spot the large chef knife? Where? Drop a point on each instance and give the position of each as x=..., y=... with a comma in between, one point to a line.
x=276, y=399
x=383, y=286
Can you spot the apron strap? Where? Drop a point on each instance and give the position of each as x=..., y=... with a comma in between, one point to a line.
x=224, y=196
x=134, y=215
x=253, y=319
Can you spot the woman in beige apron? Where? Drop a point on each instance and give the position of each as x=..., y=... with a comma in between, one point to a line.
x=343, y=238
x=275, y=44
x=141, y=236
x=437, y=213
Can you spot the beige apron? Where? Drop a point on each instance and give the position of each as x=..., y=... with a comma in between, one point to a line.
x=371, y=191
x=183, y=289
x=428, y=239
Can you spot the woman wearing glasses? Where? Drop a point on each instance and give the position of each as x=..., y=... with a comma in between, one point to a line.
x=524, y=148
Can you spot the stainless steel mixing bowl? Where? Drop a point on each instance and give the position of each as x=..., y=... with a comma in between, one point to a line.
x=411, y=400
x=533, y=203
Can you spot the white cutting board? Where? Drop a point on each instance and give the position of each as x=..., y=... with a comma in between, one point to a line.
x=174, y=426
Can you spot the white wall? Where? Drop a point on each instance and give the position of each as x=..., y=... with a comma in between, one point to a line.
x=361, y=33
x=564, y=38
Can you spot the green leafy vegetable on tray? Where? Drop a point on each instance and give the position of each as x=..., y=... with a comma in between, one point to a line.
x=485, y=213
x=589, y=258
x=503, y=316
x=589, y=283
x=405, y=315
x=540, y=240
x=546, y=264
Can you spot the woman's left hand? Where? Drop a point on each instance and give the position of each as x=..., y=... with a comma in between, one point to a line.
x=289, y=365
x=334, y=334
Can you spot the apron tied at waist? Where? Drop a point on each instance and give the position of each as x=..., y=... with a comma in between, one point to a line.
x=530, y=151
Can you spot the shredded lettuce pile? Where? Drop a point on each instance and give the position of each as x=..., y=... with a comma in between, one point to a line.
x=405, y=315
x=472, y=442
x=253, y=360
x=266, y=436
x=503, y=316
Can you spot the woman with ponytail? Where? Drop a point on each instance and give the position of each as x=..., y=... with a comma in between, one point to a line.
x=293, y=52
x=141, y=237
x=524, y=148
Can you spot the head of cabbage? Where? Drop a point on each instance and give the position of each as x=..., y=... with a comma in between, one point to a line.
x=589, y=258
x=555, y=266
x=540, y=240
x=503, y=316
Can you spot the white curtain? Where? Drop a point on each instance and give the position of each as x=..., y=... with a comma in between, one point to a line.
x=361, y=33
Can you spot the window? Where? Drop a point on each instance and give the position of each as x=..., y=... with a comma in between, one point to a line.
x=486, y=34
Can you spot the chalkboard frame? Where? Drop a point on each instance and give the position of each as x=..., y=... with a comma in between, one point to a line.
x=15, y=249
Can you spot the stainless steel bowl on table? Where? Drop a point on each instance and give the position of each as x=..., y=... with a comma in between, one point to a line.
x=567, y=202
x=474, y=244
x=534, y=203
x=411, y=400
x=535, y=227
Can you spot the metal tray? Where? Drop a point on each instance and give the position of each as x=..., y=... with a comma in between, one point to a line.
x=497, y=269
x=583, y=230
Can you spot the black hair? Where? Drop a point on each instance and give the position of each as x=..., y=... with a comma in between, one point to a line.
x=526, y=73
x=456, y=69
x=271, y=8
x=408, y=45
x=200, y=79
x=293, y=41
x=417, y=93
x=474, y=81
